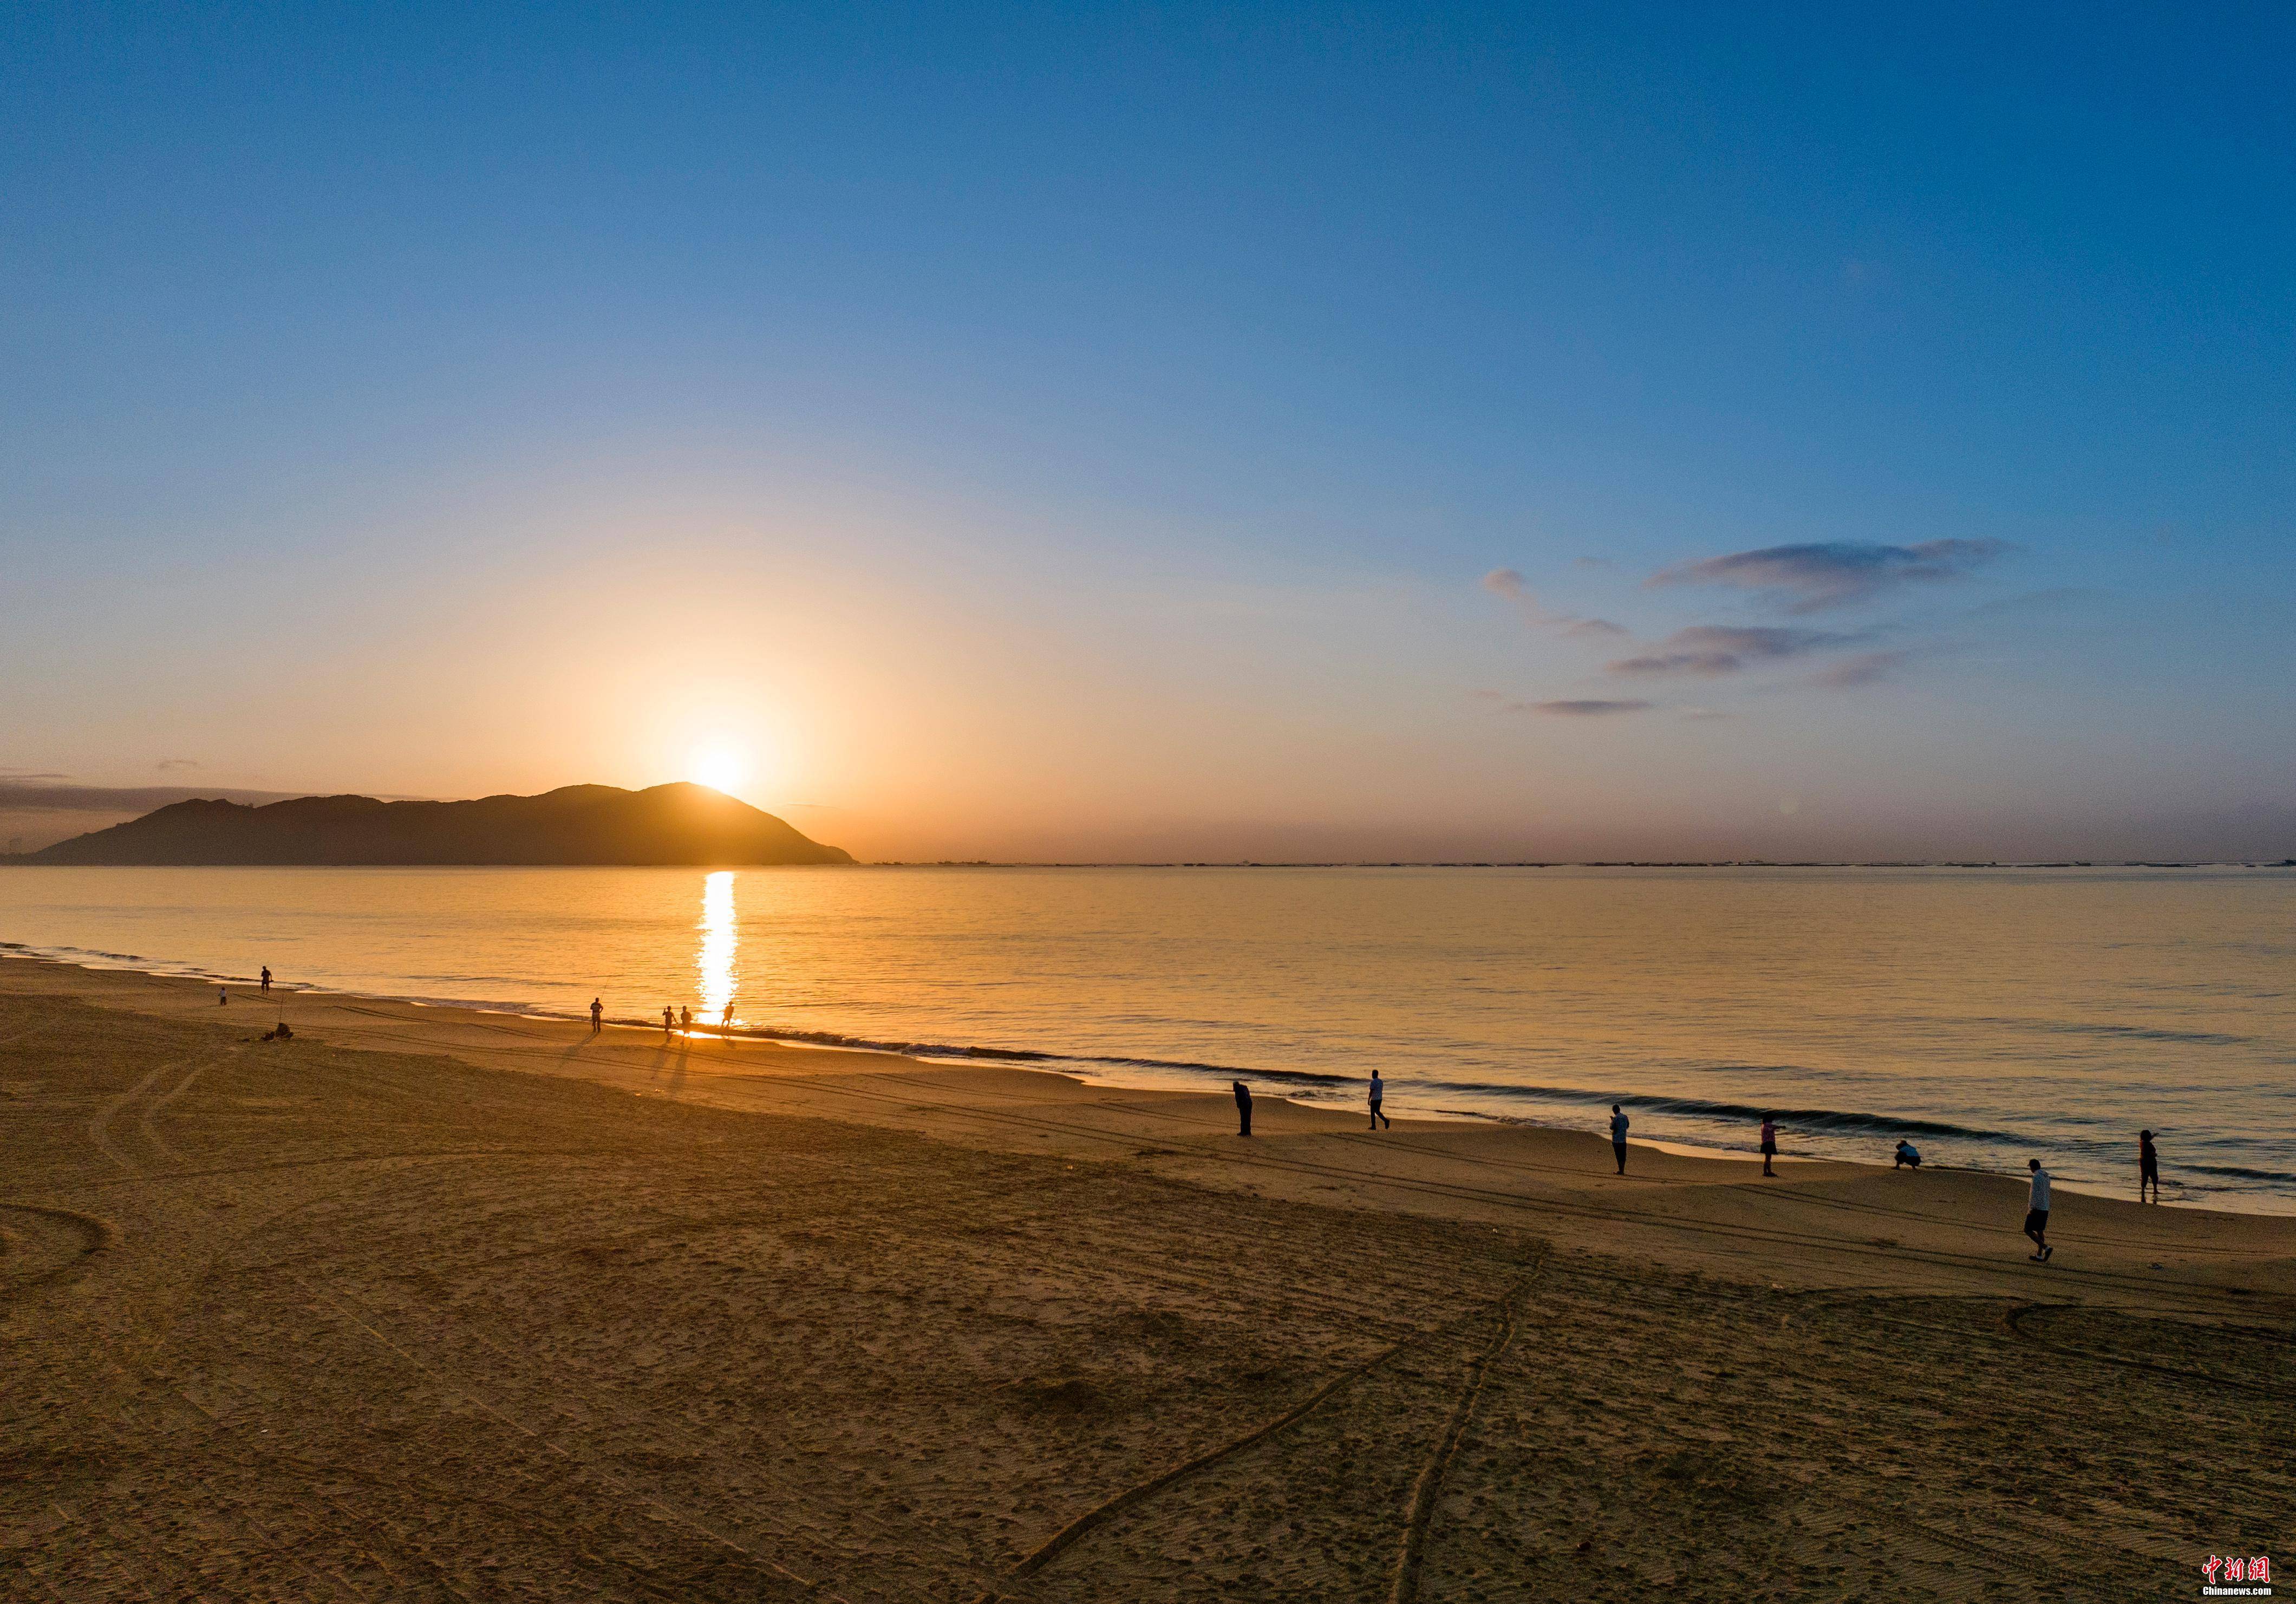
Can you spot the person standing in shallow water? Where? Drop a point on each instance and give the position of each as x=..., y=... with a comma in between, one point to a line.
x=1242, y=1108
x=1618, y=1136
x=2148, y=1166
x=1378, y=1094
x=1770, y=1143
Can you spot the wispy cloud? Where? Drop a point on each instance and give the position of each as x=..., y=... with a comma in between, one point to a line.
x=1861, y=670
x=1812, y=576
x=1579, y=709
x=1508, y=583
x=1716, y=649
x=1561, y=708
x=168, y=765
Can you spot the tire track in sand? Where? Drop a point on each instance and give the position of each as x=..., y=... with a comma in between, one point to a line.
x=1101, y=1514
x=1420, y=1519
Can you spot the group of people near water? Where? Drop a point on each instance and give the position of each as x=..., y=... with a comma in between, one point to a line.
x=676, y=1021
x=1905, y=1156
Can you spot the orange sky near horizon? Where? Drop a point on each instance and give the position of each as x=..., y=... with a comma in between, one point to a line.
x=1043, y=702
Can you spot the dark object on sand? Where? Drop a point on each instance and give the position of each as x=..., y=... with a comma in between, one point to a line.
x=279, y=1033
x=1242, y=1108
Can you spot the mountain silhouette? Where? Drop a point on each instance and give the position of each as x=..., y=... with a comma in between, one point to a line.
x=686, y=825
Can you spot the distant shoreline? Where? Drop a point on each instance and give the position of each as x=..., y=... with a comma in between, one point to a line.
x=26, y=859
x=1571, y=863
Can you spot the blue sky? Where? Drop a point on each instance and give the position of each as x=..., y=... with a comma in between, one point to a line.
x=1069, y=433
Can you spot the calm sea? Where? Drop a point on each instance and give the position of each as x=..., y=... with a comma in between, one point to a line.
x=1989, y=1015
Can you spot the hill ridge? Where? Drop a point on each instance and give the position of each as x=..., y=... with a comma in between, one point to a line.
x=679, y=824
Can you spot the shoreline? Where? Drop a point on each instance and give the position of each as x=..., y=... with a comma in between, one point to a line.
x=1959, y=1226
x=1086, y=1070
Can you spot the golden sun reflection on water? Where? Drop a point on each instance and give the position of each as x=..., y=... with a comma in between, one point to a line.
x=717, y=960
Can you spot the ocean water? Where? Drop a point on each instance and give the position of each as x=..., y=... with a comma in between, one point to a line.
x=1989, y=1015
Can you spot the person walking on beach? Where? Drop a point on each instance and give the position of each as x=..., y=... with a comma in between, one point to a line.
x=685, y=1021
x=1378, y=1092
x=726, y=1024
x=669, y=1022
x=1618, y=1136
x=2036, y=1216
x=267, y=980
x=597, y=1015
x=1770, y=1143
x=1242, y=1109
x=2148, y=1166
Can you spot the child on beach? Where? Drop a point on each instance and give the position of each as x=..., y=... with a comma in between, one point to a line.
x=1907, y=1156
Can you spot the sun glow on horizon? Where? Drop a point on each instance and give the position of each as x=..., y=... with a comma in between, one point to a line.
x=717, y=765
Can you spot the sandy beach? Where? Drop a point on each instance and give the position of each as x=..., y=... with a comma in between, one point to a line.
x=433, y=1304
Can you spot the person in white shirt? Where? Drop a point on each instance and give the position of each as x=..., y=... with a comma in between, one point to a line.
x=1378, y=1094
x=2037, y=1214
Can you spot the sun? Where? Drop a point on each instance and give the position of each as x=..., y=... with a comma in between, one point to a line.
x=717, y=765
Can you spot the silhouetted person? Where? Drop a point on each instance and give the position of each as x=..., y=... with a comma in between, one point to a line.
x=2148, y=1166
x=1769, y=1143
x=2036, y=1216
x=685, y=1021
x=1907, y=1157
x=669, y=1022
x=222, y=997
x=267, y=980
x=727, y=1022
x=1378, y=1093
x=597, y=1016
x=1242, y=1108
x=1618, y=1137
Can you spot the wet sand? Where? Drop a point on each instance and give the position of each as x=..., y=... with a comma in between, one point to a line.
x=434, y=1304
